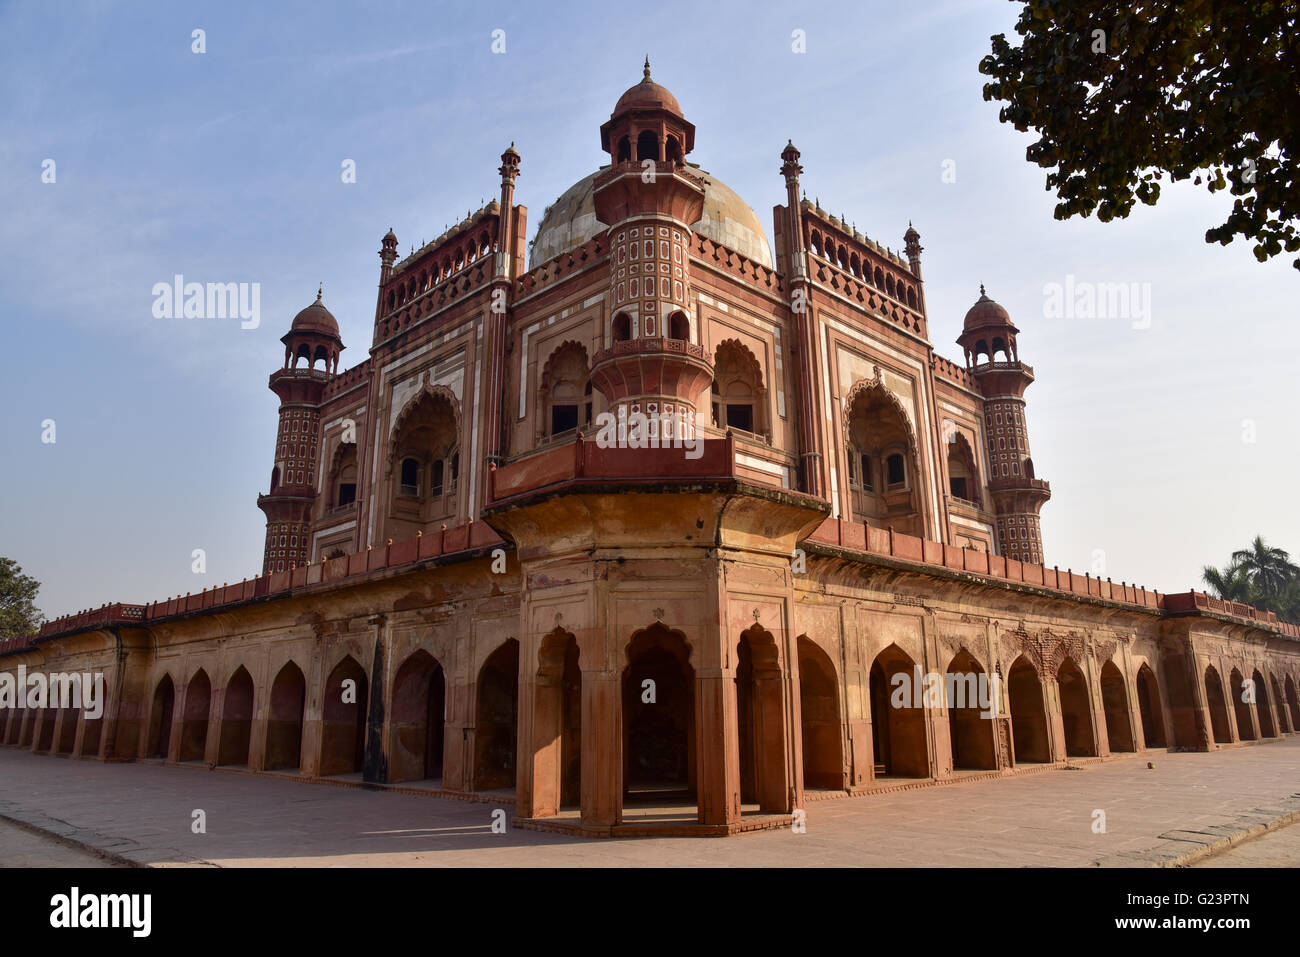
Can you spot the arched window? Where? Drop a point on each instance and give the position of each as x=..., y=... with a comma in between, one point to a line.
x=455, y=467
x=565, y=390
x=911, y=297
x=647, y=146
x=882, y=456
x=410, y=477
x=879, y=280
x=739, y=399
x=679, y=327
x=624, y=150
x=674, y=150
x=425, y=436
x=622, y=327
x=895, y=472
x=963, y=475
x=343, y=477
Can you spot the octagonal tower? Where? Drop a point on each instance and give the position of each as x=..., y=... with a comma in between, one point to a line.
x=652, y=363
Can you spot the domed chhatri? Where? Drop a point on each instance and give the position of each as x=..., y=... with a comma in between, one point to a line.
x=987, y=314
x=647, y=95
x=316, y=318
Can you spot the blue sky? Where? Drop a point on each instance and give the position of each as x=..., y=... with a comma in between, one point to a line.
x=225, y=167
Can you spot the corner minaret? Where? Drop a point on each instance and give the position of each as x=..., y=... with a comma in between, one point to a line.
x=1017, y=494
x=313, y=337
x=652, y=363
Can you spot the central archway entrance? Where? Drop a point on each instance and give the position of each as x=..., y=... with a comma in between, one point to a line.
x=659, y=719
x=1028, y=716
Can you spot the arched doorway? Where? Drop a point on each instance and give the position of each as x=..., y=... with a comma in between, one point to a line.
x=1263, y=706
x=559, y=712
x=496, y=735
x=1114, y=700
x=417, y=721
x=819, y=714
x=1028, y=717
x=1283, y=719
x=1293, y=703
x=1076, y=710
x=658, y=716
x=1148, y=693
x=1241, y=707
x=45, y=736
x=194, y=718
x=971, y=734
x=897, y=717
x=761, y=721
x=343, y=719
x=1217, y=706
x=236, y=718
x=284, y=726
x=160, y=718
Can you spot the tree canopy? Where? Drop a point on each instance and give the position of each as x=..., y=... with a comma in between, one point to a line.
x=1127, y=95
x=1261, y=575
x=19, y=615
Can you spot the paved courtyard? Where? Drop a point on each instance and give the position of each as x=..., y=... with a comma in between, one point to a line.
x=144, y=814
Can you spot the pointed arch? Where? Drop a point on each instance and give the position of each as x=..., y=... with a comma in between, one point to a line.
x=898, y=733
x=432, y=393
x=659, y=752
x=971, y=733
x=1217, y=706
x=236, y=718
x=819, y=714
x=284, y=721
x=194, y=719
x=1114, y=698
x=160, y=717
x=417, y=720
x=1241, y=707
x=497, y=718
x=1028, y=714
x=1149, y=708
x=344, y=708
x=564, y=389
x=738, y=393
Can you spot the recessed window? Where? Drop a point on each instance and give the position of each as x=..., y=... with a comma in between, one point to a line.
x=958, y=488
x=740, y=417
x=435, y=486
x=867, y=482
x=347, y=493
x=563, y=418
x=896, y=470
x=410, y=477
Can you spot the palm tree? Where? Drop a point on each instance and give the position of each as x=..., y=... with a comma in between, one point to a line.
x=1269, y=570
x=1231, y=584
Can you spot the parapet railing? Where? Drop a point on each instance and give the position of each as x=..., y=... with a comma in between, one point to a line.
x=858, y=537
x=446, y=541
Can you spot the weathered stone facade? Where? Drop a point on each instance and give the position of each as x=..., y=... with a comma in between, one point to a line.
x=465, y=582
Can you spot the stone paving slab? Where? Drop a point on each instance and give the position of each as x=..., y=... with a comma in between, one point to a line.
x=1188, y=805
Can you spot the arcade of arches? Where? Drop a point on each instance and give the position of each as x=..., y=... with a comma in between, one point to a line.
x=653, y=723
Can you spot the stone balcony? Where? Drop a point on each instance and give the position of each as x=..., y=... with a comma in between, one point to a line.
x=652, y=366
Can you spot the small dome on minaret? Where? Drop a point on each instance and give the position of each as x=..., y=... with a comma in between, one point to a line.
x=647, y=95
x=316, y=318
x=987, y=314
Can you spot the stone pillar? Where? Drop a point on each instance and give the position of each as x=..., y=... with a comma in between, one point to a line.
x=717, y=747
x=602, y=748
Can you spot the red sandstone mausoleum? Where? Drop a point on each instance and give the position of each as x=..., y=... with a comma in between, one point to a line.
x=712, y=622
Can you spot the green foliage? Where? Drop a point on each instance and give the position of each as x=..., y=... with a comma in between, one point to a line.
x=1262, y=576
x=19, y=615
x=1203, y=89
